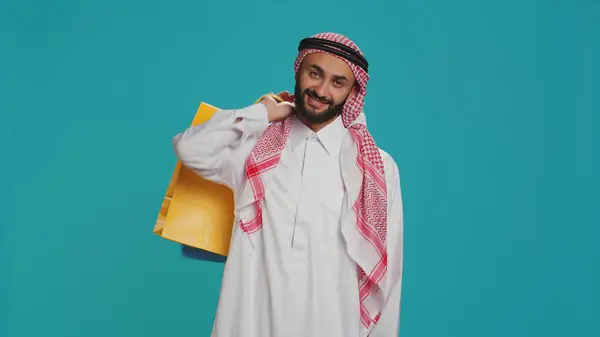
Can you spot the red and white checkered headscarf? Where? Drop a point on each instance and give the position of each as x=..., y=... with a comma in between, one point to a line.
x=370, y=206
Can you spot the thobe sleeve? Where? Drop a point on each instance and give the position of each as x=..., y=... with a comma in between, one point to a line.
x=217, y=149
x=389, y=321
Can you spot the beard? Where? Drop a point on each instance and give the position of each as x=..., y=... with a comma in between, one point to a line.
x=312, y=116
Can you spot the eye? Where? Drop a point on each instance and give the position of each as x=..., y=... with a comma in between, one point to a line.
x=338, y=83
x=315, y=74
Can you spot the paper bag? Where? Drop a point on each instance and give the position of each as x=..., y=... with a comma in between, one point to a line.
x=196, y=212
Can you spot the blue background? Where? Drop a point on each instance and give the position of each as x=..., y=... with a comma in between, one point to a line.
x=490, y=109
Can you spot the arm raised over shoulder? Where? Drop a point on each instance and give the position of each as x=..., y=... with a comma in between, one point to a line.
x=217, y=149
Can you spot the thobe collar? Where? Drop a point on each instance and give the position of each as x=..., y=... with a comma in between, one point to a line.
x=330, y=136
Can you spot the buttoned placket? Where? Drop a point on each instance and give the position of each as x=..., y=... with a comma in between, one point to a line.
x=299, y=237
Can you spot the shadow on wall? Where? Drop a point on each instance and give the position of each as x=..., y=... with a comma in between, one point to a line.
x=201, y=254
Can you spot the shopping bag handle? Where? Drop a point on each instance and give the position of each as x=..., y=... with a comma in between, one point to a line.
x=276, y=97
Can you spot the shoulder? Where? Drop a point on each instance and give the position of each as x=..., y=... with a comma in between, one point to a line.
x=392, y=172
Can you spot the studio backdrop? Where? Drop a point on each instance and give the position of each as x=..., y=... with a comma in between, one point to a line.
x=490, y=109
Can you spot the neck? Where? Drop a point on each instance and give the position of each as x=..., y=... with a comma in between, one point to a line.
x=315, y=127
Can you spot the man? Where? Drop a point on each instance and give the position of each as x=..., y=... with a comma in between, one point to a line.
x=316, y=249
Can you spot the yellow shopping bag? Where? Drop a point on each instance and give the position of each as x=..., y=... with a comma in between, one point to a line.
x=196, y=212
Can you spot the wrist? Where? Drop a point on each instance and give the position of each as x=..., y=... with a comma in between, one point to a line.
x=271, y=111
x=252, y=119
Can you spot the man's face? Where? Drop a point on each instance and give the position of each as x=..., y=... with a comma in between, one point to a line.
x=323, y=85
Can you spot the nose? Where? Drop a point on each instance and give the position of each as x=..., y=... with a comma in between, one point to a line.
x=321, y=90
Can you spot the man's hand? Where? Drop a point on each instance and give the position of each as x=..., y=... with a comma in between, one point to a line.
x=277, y=111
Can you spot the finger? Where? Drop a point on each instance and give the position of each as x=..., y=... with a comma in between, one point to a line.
x=267, y=99
x=289, y=104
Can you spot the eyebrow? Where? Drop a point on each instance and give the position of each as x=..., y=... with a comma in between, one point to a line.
x=337, y=77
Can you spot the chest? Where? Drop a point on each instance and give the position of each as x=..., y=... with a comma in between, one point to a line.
x=307, y=186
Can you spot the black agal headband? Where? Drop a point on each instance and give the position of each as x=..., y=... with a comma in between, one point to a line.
x=335, y=48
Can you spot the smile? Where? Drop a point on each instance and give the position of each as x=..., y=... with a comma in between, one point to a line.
x=314, y=103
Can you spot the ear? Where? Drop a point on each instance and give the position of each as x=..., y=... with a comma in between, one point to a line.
x=354, y=90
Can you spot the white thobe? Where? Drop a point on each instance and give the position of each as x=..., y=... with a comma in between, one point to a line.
x=294, y=278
